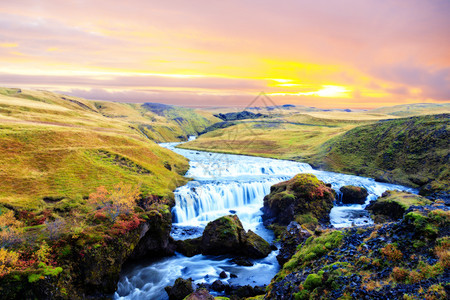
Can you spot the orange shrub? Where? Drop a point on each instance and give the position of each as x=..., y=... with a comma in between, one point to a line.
x=7, y=219
x=391, y=252
x=121, y=199
x=8, y=260
x=442, y=250
x=399, y=274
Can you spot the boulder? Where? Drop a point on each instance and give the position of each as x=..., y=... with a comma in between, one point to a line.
x=223, y=236
x=189, y=247
x=353, y=194
x=218, y=286
x=181, y=289
x=240, y=261
x=256, y=246
x=302, y=194
x=392, y=205
x=200, y=294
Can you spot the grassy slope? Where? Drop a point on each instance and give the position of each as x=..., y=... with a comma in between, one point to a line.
x=169, y=124
x=412, y=151
x=409, y=151
x=409, y=110
x=60, y=146
x=291, y=136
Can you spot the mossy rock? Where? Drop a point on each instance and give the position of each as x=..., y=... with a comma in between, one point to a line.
x=226, y=235
x=353, y=194
x=303, y=194
x=180, y=290
x=189, y=247
x=256, y=246
x=223, y=236
x=426, y=224
x=392, y=205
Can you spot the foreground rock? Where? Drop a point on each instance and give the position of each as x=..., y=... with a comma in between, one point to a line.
x=353, y=194
x=200, y=294
x=303, y=197
x=180, y=289
x=407, y=259
x=93, y=272
x=226, y=236
x=392, y=205
x=223, y=236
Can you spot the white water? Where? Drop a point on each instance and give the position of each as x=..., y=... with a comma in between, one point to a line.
x=225, y=184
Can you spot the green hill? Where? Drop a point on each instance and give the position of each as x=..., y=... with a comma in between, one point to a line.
x=412, y=151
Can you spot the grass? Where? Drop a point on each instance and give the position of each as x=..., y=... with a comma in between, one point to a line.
x=278, y=140
x=412, y=151
x=289, y=135
x=58, y=146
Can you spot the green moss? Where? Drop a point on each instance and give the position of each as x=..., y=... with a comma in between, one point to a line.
x=404, y=200
x=312, y=281
x=427, y=226
x=307, y=220
x=34, y=277
x=314, y=248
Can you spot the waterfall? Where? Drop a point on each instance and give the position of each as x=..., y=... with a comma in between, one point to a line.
x=197, y=202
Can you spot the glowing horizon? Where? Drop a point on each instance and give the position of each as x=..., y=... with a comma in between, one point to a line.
x=343, y=54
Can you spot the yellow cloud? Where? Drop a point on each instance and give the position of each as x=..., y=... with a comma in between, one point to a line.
x=9, y=45
x=327, y=91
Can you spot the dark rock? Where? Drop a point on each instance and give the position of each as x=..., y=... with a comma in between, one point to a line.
x=233, y=275
x=242, y=262
x=155, y=240
x=218, y=286
x=233, y=116
x=180, y=289
x=290, y=239
x=223, y=274
x=189, y=247
x=353, y=194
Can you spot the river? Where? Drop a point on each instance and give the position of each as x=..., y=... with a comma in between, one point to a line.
x=226, y=184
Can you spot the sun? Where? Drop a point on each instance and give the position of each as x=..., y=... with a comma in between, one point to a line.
x=332, y=91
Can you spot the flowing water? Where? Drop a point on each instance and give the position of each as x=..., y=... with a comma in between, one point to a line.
x=226, y=184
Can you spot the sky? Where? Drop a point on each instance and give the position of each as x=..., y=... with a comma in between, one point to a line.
x=334, y=53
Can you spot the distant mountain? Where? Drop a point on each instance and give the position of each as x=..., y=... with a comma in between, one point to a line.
x=233, y=116
x=407, y=110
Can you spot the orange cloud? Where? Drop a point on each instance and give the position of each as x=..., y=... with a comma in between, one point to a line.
x=343, y=53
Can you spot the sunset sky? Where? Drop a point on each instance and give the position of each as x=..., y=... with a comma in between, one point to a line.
x=334, y=53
